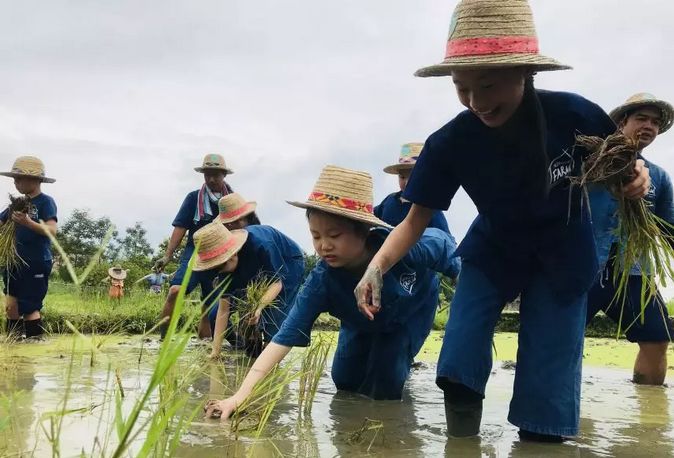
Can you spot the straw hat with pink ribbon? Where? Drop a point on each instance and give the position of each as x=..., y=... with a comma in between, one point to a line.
x=491, y=34
x=343, y=192
x=641, y=100
x=216, y=245
x=233, y=207
x=409, y=153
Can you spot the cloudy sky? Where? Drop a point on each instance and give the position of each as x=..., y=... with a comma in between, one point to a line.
x=122, y=99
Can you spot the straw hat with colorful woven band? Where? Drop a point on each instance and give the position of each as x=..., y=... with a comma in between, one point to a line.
x=28, y=166
x=644, y=99
x=343, y=192
x=409, y=154
x=214, y=162
x=117, y=272
x=216, y=245
x=233, y=207
x=491, y=34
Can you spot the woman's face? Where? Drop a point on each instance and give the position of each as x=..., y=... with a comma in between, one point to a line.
x=492, y=95
x=230, y=265
x=336, y=240
x=240, y=223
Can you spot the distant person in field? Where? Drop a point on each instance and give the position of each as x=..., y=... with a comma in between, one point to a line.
x=394, y=208
x=258, y=254
x=26, y=285
x=199, y=208
x=116, y=277
x=642, y=117
x=155, y=281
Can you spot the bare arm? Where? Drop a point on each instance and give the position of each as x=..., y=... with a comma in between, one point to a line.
x=397, y=244
x=42, y=228
x=270, y=356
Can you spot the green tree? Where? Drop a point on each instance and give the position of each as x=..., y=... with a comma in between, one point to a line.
x=81, y=236
x=134, y=244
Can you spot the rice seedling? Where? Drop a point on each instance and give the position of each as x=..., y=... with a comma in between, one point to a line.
x=9, y=257
x=369, y=427
x=313, y=366
x=644, y=239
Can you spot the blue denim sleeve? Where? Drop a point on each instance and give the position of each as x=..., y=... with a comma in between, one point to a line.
x=435, y=250
x=439, y=221
x=664, y=201
x=432, y=184
x=311, y=301
x=185, y=216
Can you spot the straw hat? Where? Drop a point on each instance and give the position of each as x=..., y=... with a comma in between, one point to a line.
x=343, y=192
x=117, y=272
x=216, y=245
x=28, y=166
x=491, y=34
x=214, y=162
x=644, y=99
x=409, y=154
x=233, y=207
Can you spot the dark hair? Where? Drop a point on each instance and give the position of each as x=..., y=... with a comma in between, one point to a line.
x=252, y=219
x=359, y=227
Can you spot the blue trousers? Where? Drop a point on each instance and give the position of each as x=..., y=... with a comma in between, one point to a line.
x=546, y=393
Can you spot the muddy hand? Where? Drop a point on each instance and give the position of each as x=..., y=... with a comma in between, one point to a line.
x=368, y=292
x=641, y=184
x=220, y=409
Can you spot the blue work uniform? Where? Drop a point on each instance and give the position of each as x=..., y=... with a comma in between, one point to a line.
x=186, y=219
x=656, y=325
x=393, y=210
x=537, y=244
x=155, y=280
x=373, y=357
x=271, y=254
x=30, y=281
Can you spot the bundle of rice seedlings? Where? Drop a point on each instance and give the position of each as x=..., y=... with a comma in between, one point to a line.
x=644, y=238
x=260, y=294
x=9, y=257
x=313, y=365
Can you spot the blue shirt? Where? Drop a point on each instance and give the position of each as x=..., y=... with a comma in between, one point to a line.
x=406, y=287
x=267, y=252
x=392, y=210
x=517, y=232
x=31, y=246
x=604, y=207
x=185, y=216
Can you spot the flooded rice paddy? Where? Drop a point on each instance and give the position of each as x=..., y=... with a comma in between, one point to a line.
x=618, y=418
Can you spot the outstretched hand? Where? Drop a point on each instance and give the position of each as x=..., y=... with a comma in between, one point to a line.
x=641, y=184
x=222, y=409
x=368, y=292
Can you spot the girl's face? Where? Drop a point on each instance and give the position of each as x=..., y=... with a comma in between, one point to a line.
x=27, y=185
x=238, y=224
x=492, y=95
x=230, y=265
x=403, y=177
x=336, y=241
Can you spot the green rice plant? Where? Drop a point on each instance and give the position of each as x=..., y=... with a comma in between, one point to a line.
x=369, y=427
x=313, y=366
x=644, y=239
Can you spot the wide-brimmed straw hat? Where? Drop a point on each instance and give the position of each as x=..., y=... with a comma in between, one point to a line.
x=214, y=162
x=491, y=34
x=28, y=166
x=216, y=245
x=233, y=207
x=343, y=192
x=409, y=153
x=117, y=272
x=641, y=100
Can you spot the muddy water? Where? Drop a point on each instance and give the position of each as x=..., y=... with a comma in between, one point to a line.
x=618, y=418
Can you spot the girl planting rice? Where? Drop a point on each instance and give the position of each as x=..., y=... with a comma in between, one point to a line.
x=372, y=358
x=26, y=281
x=512, y=150
x=246, y=255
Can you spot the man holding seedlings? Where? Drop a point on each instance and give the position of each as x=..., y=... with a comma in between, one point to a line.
x=642, y=117
x=199, y=208
x=26, y=278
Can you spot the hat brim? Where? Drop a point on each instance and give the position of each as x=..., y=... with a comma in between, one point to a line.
x=222, y=169
x=240, y=235
x=396, y=168
x=117, y=275
x=18, y=175
x=667, y=110
x=249, y=208
x=345, y=212
x=535, y=62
